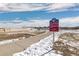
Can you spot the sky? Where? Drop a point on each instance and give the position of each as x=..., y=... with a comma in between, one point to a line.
x=38, y=14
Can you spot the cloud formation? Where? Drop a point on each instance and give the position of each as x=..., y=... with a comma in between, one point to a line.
x=21, y=23
x=53, y=7
x=68, y=22
x=50, y=7
x=71, y=21
x=57, y=7
x=20, y=7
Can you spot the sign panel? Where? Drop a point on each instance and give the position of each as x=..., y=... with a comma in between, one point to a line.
x=54, y=25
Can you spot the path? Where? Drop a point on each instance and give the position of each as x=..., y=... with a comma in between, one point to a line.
x=11, y=48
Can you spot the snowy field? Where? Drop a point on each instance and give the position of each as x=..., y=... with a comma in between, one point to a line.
x=39, y=48
x=43, y=46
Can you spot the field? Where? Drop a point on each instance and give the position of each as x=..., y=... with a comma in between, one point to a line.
x=17, y=41
x=17, y=34
x=32, y=42
x=45, y=46
x=68, y=43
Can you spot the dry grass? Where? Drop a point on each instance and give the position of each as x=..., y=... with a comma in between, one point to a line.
x=6, y=36
x=20, y=45
x=64, y=48
x=13, y=36
x=38, y=32
x=69, y=36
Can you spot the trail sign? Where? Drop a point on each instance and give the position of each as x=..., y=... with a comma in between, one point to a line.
x=54, y=25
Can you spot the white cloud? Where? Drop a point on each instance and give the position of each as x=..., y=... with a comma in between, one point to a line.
x=71, y=21
x=54, y=7
x=20, y=7
x=21, y=23
x=40, y=23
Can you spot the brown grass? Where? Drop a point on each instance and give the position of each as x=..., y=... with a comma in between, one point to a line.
x=13, y=36
x=63, y=47
x=6, y=36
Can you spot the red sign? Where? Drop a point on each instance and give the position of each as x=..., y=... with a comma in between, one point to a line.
x=54, y=25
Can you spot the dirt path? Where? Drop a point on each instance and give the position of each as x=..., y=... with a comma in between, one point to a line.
x=11, y=48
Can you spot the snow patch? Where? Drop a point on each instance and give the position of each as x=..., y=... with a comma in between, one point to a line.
x=39, y=48
x=8, y=41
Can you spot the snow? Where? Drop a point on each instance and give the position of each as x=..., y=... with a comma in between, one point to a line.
x=69, y=31
x=8, y=41
x=71, y=43
x=74, y=44
x=52, y=53
x=44, y=45
x=39, y=48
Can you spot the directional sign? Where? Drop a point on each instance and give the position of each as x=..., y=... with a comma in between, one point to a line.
x=54, y=25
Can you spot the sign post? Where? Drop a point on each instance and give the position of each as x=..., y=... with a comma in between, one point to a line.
x=53, y=37
x=54, y=27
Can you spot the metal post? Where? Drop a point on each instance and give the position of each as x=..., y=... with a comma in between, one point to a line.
x=53, y=38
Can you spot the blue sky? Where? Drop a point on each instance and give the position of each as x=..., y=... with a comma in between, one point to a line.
x=26, y=15
x=40, y=11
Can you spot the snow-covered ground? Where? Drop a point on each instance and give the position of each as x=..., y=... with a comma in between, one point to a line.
x=43, y=46
x=8, y=41
x=39, y=48
x=70, y=31
x=52, y=53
